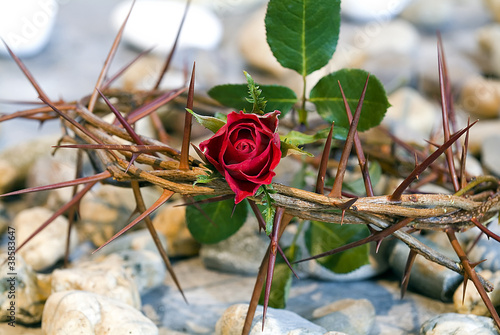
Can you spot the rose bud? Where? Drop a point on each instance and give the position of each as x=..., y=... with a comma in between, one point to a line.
x=245, y=151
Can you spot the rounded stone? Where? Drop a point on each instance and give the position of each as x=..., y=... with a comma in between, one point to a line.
x=481, y=97
x=49, y=245
x=454, y=324
x=368, y=10
x=80, y=312
x=26, y=26
x=155, y=23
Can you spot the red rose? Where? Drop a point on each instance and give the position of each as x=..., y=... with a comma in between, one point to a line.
x=245, y=151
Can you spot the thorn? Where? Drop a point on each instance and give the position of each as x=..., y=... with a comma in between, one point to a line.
x=107, y=62
x=407, y=271
x=320, y=181
x=339, y=178
x=188, y=119
x=396, y=195
x=466, y=280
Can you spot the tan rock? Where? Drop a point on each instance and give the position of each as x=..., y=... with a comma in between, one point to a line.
x=481, y=96
x=49, y=245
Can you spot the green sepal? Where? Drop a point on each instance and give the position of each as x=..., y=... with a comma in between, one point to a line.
x=211, y=123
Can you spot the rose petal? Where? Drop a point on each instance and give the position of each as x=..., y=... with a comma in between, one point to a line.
x=241, y=188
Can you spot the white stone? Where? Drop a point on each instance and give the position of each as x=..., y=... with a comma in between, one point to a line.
x=28, y=292
x=350, y=316
x=240, y=253
x=108, y=278
x=79, y=312
x=26, y=26
x=278, y=322
x=155, y=23
x=367, y=10
x=429, y=14
x=49, y=245
x=144, y=266
x=387, y=38
x=458, y=324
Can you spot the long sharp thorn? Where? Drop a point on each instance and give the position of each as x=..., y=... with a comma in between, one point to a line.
x=262, y=226
x=70, y=120
x=26, y=72
x=377, y=236
x=188, y=119
x=339, y=178
x=259, y=283
x=463, y=160
x=109, y=81
x=444, y=110
x=107, y=62
x=149, y=108
x=449, y=97
x=78, y=181
x=406, y=275
x=320, y=181
x=74, y=210
x=272, y=260
x=471, y=273
x=154, y=234
x=485, y=230
x=359, y=149
x=121, y=119
x=174, y=47
x=396, y=195
x=466, y=280
x=161, y=200
x=257, y=289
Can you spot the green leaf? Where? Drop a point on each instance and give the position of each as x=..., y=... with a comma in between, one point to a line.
x=282, y=281
x=292, y=149
x=223, y=224
x=321, y=237
x=303, y=34
x=298, y=138
x=209, y=122
x=234, y=96
x=330, y=105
